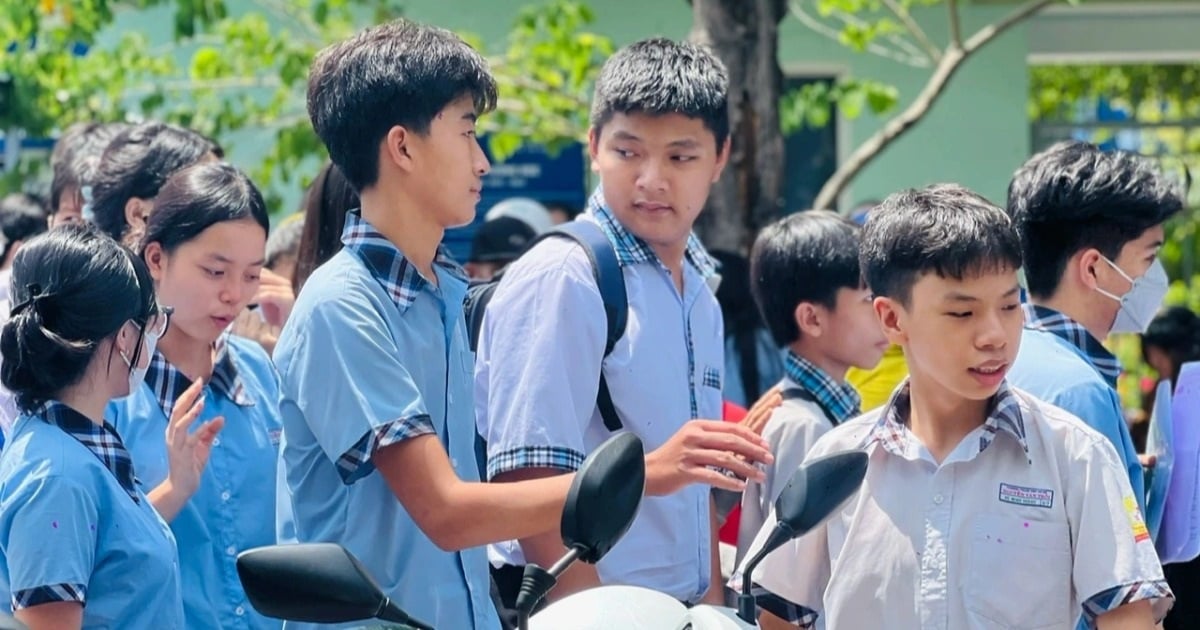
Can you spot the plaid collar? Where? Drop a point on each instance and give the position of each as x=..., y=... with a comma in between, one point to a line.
x=1055, y=323
x=841, y=400
x=632, y=250
x=387, y=263
x=168, y=383
x=891, y=431
x=102, y=441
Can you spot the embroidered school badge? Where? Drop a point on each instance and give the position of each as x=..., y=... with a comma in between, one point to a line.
x=1140, y=533
x=1020, y=495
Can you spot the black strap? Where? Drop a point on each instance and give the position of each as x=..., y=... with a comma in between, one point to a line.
x=799, y=393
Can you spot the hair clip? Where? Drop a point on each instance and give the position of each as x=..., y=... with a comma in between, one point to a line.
x=35, y=293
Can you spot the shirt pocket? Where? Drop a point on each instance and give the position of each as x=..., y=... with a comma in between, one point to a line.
x=711, y=377
x=1018, y=573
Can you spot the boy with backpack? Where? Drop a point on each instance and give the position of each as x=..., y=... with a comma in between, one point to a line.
x=552, y=383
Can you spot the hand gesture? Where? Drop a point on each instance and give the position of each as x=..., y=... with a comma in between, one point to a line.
x=275, y=297
x=756, y=419
x=188, y=451
x=700, y=452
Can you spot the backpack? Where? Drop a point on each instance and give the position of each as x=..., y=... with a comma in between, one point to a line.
x=609, y=279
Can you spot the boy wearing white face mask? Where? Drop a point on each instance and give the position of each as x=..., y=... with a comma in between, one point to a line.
x=1091, y=226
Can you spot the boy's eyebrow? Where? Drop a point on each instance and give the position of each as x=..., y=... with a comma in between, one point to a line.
x=625, y=135
x=955, y=296
x=685, y=143
x=471, y=116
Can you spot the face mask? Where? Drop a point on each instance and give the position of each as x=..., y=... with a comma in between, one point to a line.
x=1142, y=301
x=138, y=374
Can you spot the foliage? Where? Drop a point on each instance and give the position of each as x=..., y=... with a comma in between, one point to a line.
x=229, y=75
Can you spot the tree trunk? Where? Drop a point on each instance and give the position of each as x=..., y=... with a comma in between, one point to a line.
x=744, y=34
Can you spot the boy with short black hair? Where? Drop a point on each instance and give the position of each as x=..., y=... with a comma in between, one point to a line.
x=378, y=447
x=809, y=288
x=1091, y=226
x=982, y=507
x=659, y=138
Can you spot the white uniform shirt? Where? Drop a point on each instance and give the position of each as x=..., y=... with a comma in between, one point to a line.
x=1027, y=523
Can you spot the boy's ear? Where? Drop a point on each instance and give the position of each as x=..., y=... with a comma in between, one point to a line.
x=396, y=149
x=136, y=211
x=594, y=147
x=809, y=320
x=1084, y=266
x=892, y=317
x=722, y=159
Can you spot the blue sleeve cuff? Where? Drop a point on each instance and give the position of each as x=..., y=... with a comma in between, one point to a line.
x=48, y=595
x=556, y=457
x=355, y=463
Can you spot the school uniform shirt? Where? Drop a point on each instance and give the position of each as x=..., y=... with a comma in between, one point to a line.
x=537, y=373
x=813, y=404
x=1028, y=522
x=1061, y=363
x=374, y=354
x=75, y=526
x=233, y=509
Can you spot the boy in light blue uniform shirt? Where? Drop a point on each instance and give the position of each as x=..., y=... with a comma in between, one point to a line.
x=378, y=449
x=1091, y=226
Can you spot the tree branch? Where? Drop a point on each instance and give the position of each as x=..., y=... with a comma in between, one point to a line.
x=918, y=33
x=955, y=24
x=952, y=60
x=991, y=31
x=820, y=28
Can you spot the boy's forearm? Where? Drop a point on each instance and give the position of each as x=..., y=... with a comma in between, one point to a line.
x=458, y=515
x=716, y=585
x=1135, y=616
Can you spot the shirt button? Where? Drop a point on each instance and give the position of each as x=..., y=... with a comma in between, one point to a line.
x=216, y=441
x=240, y=611
x=937, y=499
x=231, y=550
x=225, y=495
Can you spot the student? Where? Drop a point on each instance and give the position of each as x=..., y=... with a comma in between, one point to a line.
x=204, y=244
x=73, y=162
x=1091, y=226
x=808, y=286
x=82, y=546
x=135, y=164
x=659, y=138
x=22, y=217
x=263, y=319
x=378, y=450
x=982, y=507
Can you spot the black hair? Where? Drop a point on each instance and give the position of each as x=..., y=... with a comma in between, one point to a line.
x=72, y=288
x=741, y=318
x=805, y=257
x=285, y=240
x=943, y=229
x=136, y=164
x=396, y=74
x=326, y=203
x=21, y=218
x=76, y=155
x=570, y=210
x=199, y=197
x=658, y=76
x=1177, y=332
x=1073, y=196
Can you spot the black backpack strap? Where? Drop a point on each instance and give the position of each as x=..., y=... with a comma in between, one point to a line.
x=610, y=280
x=799, y=393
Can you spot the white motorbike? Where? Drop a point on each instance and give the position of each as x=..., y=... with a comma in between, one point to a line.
x=324, y=583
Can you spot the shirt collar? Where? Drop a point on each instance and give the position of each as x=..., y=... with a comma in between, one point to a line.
x=841, y=400
x=387, y=263
x=1058, y=324
x=101, y=440
x=1004, y=415
x=168, y=383
x=632, y=250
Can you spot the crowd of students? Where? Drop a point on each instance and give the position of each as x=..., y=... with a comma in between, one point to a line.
x=183, y=386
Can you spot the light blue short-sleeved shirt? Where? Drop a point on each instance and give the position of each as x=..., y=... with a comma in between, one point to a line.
x=537, y=373
x=374, y=354
x=74, y=526
x=234, y=507
x=1063, y=374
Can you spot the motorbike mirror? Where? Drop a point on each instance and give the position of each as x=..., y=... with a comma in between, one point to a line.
x=315, y=583
x=817, y=489
x=604, y=497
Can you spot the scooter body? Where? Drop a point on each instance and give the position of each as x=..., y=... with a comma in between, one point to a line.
x=634, y=608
